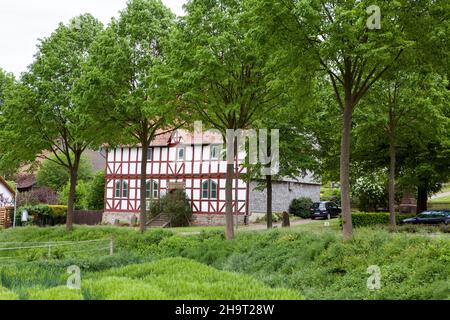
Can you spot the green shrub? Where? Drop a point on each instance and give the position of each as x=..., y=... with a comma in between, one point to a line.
x=96, y=192
x=365, y=219
x=300, y=207
x=43, y=214
x=176, y=206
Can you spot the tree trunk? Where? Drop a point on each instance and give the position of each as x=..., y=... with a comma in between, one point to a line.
x=422, y=198
x=143, y=186
x=347, y=227
x=269, y=201
x=72, y=192
x=229, y=231
x=392, y=159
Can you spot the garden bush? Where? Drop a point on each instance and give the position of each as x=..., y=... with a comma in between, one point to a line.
x=96, y=192
x=176, y=206
x=43, y=214
x=365, y=219
x=300, y=207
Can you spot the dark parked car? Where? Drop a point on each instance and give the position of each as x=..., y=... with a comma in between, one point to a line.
x=324, y=208
x=429, y=217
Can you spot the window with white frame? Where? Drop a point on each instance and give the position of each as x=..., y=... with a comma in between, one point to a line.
x=124, y=189
x=121, y=189
x=117, y=187
x=180, y=153
x=151, y=190
x=209, y=189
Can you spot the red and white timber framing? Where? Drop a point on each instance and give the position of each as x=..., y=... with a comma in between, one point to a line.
x=123, y=164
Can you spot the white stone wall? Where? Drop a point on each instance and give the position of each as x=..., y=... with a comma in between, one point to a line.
x=6, y=197
x=283, y=194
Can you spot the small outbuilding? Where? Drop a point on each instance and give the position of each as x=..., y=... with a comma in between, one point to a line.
x=7, y=194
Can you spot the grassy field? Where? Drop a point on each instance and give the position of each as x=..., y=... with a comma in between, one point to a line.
x=307, y=261
x=441, y=199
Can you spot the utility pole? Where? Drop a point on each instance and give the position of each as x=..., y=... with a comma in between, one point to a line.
x=15, y=207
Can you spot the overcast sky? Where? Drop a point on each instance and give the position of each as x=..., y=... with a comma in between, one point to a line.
x=23, y=22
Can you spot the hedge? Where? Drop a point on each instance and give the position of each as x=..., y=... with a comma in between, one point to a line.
x=43, y=214
x=364, y=219
x=300, y=207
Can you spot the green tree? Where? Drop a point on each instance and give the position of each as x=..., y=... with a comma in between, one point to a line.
x=401, y=119
x=120, y=88
x=52, y=174
x=298, y=152
x=96, y=192
x=221, y=74
x=81, y=194
x=6, y=80
x=42, y=114
x=6, y=84
x=333, y=37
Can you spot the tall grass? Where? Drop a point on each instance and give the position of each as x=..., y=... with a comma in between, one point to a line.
x=317, y=265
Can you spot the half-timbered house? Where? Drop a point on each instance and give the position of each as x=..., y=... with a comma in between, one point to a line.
x=181, y=160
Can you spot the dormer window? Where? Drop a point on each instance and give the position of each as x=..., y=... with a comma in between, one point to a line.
x=150, y=154
x=215, y=151
x=180, y=153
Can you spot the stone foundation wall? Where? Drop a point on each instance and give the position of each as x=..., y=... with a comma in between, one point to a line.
x=125, y=217
x=214, y=219
x=197, y=219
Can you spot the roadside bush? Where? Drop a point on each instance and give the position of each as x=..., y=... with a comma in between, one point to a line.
x=43, y=214
x=365, y=219
x=300, y=207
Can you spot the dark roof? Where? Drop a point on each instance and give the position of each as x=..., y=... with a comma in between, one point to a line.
x=25, y=181
x=7, y=186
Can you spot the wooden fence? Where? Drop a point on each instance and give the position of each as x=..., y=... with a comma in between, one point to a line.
x=89, y=217
x=5, y=216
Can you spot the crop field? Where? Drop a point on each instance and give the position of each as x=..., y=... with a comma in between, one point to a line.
x=308, y=262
